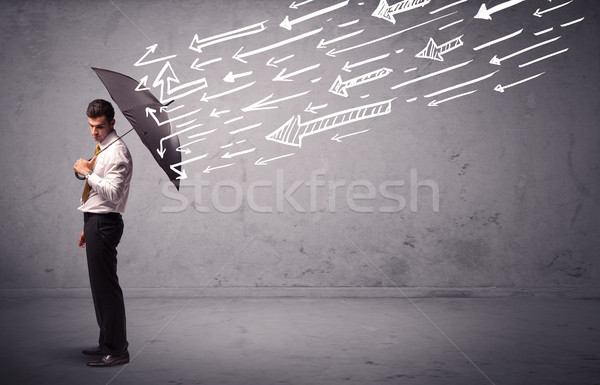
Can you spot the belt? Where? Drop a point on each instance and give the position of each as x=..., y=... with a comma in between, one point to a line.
x=86, y=216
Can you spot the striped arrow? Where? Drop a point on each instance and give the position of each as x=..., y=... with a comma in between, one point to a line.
x=387, y=12
x=339, y=87
x=293, y=131
x=435, y=52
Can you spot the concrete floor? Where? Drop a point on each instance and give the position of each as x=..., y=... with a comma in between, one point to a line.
x=310, y=341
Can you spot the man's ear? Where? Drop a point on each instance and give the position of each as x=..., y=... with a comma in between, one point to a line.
x=112, y=124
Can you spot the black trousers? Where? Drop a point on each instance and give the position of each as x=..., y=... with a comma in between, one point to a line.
x=102, y=236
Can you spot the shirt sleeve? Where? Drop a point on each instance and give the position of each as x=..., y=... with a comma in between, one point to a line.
x=117, y=174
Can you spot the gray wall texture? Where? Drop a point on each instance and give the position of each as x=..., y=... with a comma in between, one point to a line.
x=486, y=188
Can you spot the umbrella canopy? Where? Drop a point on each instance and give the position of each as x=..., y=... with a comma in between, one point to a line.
x=147, y=117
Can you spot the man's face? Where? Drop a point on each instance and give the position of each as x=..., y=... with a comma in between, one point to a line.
x=100, y=127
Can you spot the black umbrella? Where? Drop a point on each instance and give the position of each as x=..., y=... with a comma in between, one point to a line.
x=147, y=117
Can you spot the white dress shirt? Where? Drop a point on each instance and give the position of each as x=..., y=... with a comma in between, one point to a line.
x=110, y=178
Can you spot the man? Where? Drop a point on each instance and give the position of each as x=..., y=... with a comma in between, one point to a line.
x=108, y=176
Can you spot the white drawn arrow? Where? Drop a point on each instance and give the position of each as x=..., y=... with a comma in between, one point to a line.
x=240, y=57
x=313, y=109
x=500, y=88
x=197, y=44
x=338, y=137
x=161, y=150
x=227, y=155
x=486, y=14
x=387, y=12
x=208, y=169
x=206, y=98
x=431, y=74
x=293, y=131
x=264, y=162
x=296, y=6
x=543, y=58
x=498, y=61
x=539, y=13
x=193, y=86
x=348, y=67
x=339, y=87
x=150, y=50
x=263, y=104
x=152, y=112
x=273, y=63
x=198, y=66
x=287, y=23
x=217, y=114
x=184, y=147
x=462, y=84
x=435, y=52
x=286, y=78
x=335, y=52
x=142, y=86
x=435, y=103
x=324, y=43
x=182, y=173
x=231, y=77
x=509, y=36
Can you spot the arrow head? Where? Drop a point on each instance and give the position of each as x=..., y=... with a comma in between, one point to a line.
x=161, y=152
x=207, y=170
x=204, y=98
x=182, y=175
x=270, y=63
x=346, y=67
x=336, y=138
x=286, y=23
x=310, y=109
x=149, y=111
x=259, y=105
x=142, y=84
x=495, y=60
x=214, y=113
x=195, y=40
x=537, y=13
x=195, y=65
x=483, y=13
x=229, y=78
x=321, y=44
x=260, y=162
x=331, y=53
x=293, y=6
x=338, y=88
x=237, y=56
x=226, y=155
x=281, y=78
x=433, y=103
x=499, y=88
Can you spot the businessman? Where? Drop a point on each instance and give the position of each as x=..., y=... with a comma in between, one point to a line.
x=108, y=176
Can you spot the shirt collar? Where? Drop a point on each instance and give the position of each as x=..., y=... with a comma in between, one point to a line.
x=109, y=139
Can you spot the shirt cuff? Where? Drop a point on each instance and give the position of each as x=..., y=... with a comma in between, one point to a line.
x=93, y=180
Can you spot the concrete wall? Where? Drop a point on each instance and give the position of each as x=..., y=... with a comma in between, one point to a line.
x=517, y=172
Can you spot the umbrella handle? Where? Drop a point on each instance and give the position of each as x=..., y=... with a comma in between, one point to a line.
x=78, y=175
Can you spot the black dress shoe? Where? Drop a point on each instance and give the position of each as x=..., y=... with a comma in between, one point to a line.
x=110, y=360
x=93, y=351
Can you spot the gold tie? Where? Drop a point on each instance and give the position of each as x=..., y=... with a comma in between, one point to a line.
x=87, y=188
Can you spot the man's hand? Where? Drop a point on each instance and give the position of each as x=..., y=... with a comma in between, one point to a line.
x=83, y=166
x=82, y=239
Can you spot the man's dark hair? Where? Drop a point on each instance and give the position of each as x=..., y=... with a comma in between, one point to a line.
x=100, y=107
